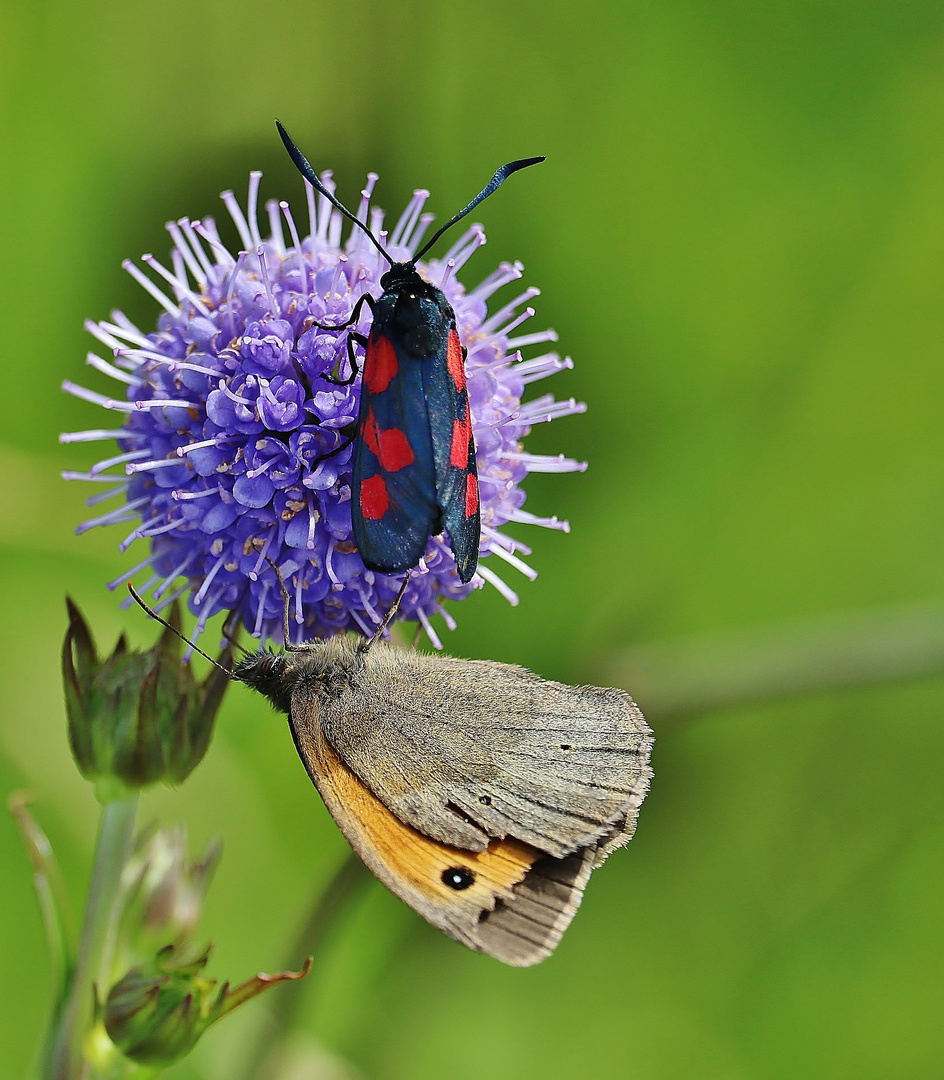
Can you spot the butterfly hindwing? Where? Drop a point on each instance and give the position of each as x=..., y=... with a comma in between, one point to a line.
x=480, y=794
x=509, y=901
x=394, y=480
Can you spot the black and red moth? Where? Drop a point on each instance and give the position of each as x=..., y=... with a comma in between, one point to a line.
x=414, y=460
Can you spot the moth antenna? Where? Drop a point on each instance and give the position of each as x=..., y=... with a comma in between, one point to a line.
x=394, y=607
x=304, y=167
x=501, y=175
x=164, y=622
x=286, y=599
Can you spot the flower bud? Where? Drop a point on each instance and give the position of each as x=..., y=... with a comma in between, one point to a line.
x=158, y=1011
x=136, y=717
x=163, y=888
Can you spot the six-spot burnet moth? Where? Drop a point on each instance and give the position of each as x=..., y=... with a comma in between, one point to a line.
x=414, y=461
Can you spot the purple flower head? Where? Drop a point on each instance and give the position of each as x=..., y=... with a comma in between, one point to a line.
x=236, y=449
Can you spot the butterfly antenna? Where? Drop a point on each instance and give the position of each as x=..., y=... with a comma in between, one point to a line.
x=501, y=175
x=229, y=632
x=394, y=607
x=304, y=167
x=164, y=622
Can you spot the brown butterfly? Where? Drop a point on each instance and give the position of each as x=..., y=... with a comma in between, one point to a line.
x=479, y=793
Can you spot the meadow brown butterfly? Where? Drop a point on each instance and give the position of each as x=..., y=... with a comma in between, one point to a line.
x=479, y=793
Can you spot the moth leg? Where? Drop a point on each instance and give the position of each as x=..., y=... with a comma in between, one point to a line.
x=303, y=378
x=348, y=433
x=352, y=340
x=355, y=315
x=337, y=450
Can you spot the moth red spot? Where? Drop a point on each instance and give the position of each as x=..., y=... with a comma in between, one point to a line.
x=459, y=451
x=471, y=495
x=380, y=365
x=370, y=433
x=375, y=501
x=389, y=446
x=454, y=360
x=395, y=451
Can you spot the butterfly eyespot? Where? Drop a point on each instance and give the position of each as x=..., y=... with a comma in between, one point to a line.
x=566, y=746
x=458, y=878
x=485, y=800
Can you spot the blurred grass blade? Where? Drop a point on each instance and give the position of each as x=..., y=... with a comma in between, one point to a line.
x=54, y=907
x=683, y=678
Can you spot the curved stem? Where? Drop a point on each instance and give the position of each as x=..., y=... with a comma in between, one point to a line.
x=311, y=940
x=96, y=944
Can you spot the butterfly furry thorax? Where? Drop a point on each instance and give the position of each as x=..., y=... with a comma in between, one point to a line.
x=324, y=666
x=478, y=792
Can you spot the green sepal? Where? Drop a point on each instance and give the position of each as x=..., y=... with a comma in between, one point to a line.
x=158, y=1011
x=137, y=718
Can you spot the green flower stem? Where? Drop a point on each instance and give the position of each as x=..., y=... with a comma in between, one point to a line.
x=96, y=942
x=329, y=905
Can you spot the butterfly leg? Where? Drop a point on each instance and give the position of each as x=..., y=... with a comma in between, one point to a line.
x=286, y=605
x=230, y=628
x=394, y=607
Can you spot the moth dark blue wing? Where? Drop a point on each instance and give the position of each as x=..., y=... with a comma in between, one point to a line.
x=457, y=487
x=395, y=510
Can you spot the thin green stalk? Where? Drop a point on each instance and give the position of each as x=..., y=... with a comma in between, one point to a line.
x=51, y=895
x=96, y=947
x=677, y=679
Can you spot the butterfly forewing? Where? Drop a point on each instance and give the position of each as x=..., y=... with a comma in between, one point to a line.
x=470, y=750
x=510, y=900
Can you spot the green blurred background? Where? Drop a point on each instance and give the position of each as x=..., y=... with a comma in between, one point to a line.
x=739, y=234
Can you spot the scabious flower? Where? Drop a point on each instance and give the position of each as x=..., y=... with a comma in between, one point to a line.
x=237, y=449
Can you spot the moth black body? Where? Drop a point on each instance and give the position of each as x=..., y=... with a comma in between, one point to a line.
x=413, y=309
x=414, y=470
